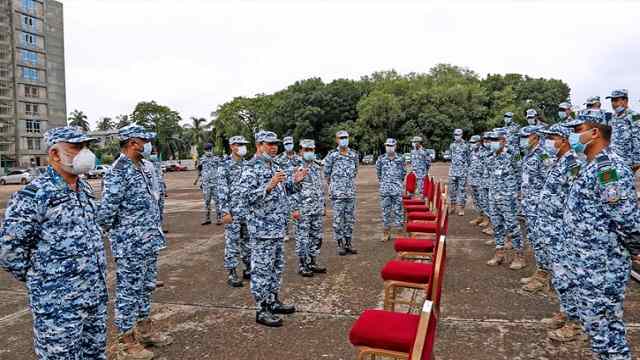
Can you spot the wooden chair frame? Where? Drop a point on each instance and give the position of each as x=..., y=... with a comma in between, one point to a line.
x=429, y=308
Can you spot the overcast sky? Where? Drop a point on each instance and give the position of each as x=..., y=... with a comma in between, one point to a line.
x=194, y=55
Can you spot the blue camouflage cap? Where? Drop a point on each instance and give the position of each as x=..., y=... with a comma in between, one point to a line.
x=287, y=140
x=390, y=142
x=342, y=133
x=416, y=139
x=135, y=131
x=457, y=132
x=592, y=100
x=508, y=114
x=500, y=132
x=307, y=144
x=532, y=113
x=267, y=137
x=530, y=130
x=618, y=93
x=564, y=105
x=238, y=139
x=557, y=129
x=491, y=135
x=474, y=139
x=589, y=116
x=68, y=134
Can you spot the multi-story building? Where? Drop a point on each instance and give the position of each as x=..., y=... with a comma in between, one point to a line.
x=32, y=79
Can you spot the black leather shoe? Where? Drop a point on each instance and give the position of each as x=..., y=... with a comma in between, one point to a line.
x=315, y=268
x=342, y=251
x=266, y=318
x=279, y=308
x=206, y=222
x=246, y=274
x=351, y=250
x=233, y=279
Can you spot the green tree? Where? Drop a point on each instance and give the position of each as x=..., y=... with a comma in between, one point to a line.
x=105, y=123
x=165, y=122
x=79, y=119
x=123, y=120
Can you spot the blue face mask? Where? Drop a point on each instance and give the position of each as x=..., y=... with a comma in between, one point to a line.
x=266, y=157
x=550, y=147
x=524, y=143
x=507, y=120
x=620, y=109
x=344, y=142
x=576, y=145
x=494, y=146
x=146, y=149
x=562, y=115
x=153, y=157
x=309, y=156
x=288, y=147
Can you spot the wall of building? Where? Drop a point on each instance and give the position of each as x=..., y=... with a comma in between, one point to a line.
x=54, y=32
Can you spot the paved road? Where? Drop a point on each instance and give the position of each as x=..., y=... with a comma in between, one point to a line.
x=484, y=316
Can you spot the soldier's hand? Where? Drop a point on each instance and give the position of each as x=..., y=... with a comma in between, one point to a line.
x=300, y=174
x=296, y=215
x=276, y=179
x=227, y=219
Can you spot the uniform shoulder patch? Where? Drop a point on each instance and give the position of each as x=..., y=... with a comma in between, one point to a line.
x=607, y=175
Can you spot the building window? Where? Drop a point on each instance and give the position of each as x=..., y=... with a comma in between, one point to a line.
x=4, y=128
x=29, y=57
x=31, y=109
x=31, y=92
x=33, y=126
x=29, y=6
x=33, y=144
x=30, y=74
x=4, y=147
x=28, y=23
x=28, y=40
x=5, y=109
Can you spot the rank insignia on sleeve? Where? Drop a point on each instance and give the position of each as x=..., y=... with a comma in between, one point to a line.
x=607, y=176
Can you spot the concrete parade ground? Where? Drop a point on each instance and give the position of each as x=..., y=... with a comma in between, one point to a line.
x=484, y=314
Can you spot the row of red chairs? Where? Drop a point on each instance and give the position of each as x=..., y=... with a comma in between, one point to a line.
x=419, y=266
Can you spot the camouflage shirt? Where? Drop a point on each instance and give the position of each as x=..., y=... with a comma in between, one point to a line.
x=232, y=187
x=310, y=199
x=420, y=162
x=459, y=158
x=390, y=174
x=209, y=169
x=340, y=171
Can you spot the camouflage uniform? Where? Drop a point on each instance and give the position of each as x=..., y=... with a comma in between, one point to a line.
x=391, y=173
x=310, y=203
x=485, y=182
x=550, y=226
x=50, y=240
x=513, y=131
x=231, y=189
x=208, y=175
x=533, y=176
x=289, y=162
x=504, y=186
x=475, y=174
x=130, y=212
x=267, y=225
x=420, y=164
x=340, y=171
x=457, y=171
x=157, y=164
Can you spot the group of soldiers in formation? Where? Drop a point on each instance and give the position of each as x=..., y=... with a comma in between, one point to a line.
x=573, y=185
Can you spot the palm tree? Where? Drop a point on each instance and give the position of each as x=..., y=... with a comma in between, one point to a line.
x=123, y=120
x=196, y=130
x=79, y=119
x=105, y=123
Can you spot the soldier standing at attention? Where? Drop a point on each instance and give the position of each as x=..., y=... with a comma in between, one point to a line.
x=269, y=188
x=208, y=173
x=308, y=208
x=50, y=239
x=475, y=177
x=420, y=163
x=601, y=211
x=288, y=161
x=391, y=172
x=457, y=172
x=340, y=170
x=130, y=214
x=234, y=209
x=625, y=129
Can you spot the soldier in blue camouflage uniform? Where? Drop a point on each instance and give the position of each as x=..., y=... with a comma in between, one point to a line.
x=340, y=170
x=129, y=212
x=289, y=161
x=625, y=129
x=601, y=211
x=420, y=163
x=208, y=173
x=504, y=187
x=391, y=172
x=269, y=188
x=533, y=176
x=157, y=164
x=457, y=172
x=308, y=208
x=551, y=236
x=485, y=185
x=50, y=240
x=474, y=176
x=513, y=130
x=234, y=209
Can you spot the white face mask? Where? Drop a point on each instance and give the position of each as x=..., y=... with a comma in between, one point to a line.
x=457, y=137
x=390, y=149
x=531, y=121
x=146, y=149
x=288, y=147
x=80, y=164
x=242, y=151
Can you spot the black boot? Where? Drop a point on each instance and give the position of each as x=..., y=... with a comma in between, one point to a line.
x=350, y=249
x=278, y=307
x=265, y=317
x=318, y=269
x=233, y=279
x=303, y=268
x=246, y=274
x=341, y=249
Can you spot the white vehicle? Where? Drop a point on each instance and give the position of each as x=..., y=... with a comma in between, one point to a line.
x=22, y=176
x=98, y=172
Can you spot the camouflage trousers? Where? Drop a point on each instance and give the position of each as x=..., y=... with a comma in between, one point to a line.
x=456, y=190
x=392, y=211
x=420, y=184
x=600, y=298
x=209, y=193
x=479, y=198
x=72, y=333
x=135, y=282
x=504, y=221
x=343, y=219
x=267, y=266
x=534, y=236
x=237, y=245
x=485, y=203
x=309, y=231
x=560, y=262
